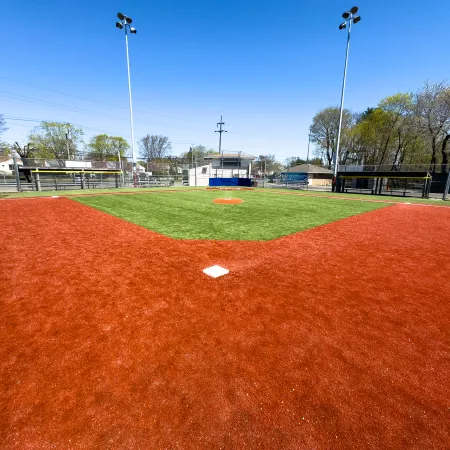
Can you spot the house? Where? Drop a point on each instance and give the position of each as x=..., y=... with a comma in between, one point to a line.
x=7, y=165
x=307, y=173
x=158, y=168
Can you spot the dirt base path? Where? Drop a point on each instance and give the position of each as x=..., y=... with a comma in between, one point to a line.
x=112, y=337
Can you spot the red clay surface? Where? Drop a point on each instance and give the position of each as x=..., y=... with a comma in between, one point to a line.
x=112, y=337
x=228, y=201
x=230, y=188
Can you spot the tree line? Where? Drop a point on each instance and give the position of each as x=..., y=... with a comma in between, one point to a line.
x=61, y=141
x=404, y=128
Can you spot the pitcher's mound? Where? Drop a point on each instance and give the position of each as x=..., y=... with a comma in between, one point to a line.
x=228, y=201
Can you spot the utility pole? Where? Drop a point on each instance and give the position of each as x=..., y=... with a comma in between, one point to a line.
x=309, y=142
x=67, y=143
x=220, y=131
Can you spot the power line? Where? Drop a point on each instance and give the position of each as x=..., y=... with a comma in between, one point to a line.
x=37, y=101
x=27, y=119
x=100, y=102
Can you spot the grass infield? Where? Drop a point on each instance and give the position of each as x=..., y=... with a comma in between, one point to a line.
x=193, y=215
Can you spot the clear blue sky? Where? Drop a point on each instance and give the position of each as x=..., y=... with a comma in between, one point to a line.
x=266, y=66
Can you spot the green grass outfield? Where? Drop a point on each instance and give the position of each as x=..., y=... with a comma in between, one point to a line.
x=131, y=190
x=65, y=192
x=191, y=214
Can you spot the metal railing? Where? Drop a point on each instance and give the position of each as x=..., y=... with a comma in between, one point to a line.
x=40, y=163
x=438, y=168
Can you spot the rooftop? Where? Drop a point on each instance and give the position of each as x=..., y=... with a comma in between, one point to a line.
x=240, y=155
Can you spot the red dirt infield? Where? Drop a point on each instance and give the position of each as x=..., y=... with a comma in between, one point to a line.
x=112, y=337
x=230, y=189
x=228, y=201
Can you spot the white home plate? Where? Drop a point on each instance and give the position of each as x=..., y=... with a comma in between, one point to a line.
x=215, y=271
x=55, y=196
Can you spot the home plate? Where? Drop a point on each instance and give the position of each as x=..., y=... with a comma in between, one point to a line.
x=215, y=271
x=55, y=196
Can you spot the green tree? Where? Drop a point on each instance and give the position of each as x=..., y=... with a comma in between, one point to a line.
x=55, y=140
x=267, y=164
x=196, y=154
x=324, y=133
x=294, y=161
x=388, y=134
x=103, y=147
x=316, y=162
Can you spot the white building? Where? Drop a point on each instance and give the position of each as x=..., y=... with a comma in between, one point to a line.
x=7, y=165
x=232, y=166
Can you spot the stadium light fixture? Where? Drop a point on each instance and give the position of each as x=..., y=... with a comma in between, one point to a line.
x=349, y=18
x=124, y=23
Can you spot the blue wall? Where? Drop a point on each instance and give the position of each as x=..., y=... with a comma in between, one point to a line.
x=230, y=182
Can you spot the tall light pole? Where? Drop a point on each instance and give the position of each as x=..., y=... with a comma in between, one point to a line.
x=349, y=18
x=124, y=23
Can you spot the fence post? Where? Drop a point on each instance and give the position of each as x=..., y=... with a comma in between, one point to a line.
x=37, y=181
x=16, y=171
x=447, y=186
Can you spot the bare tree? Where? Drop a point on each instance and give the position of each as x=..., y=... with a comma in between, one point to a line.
x=433, y=112
x=3, y=126
x=154, y=147
x=24, y=152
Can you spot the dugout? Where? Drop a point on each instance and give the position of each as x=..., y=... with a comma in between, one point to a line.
x=411, y=183
x=39, y=179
